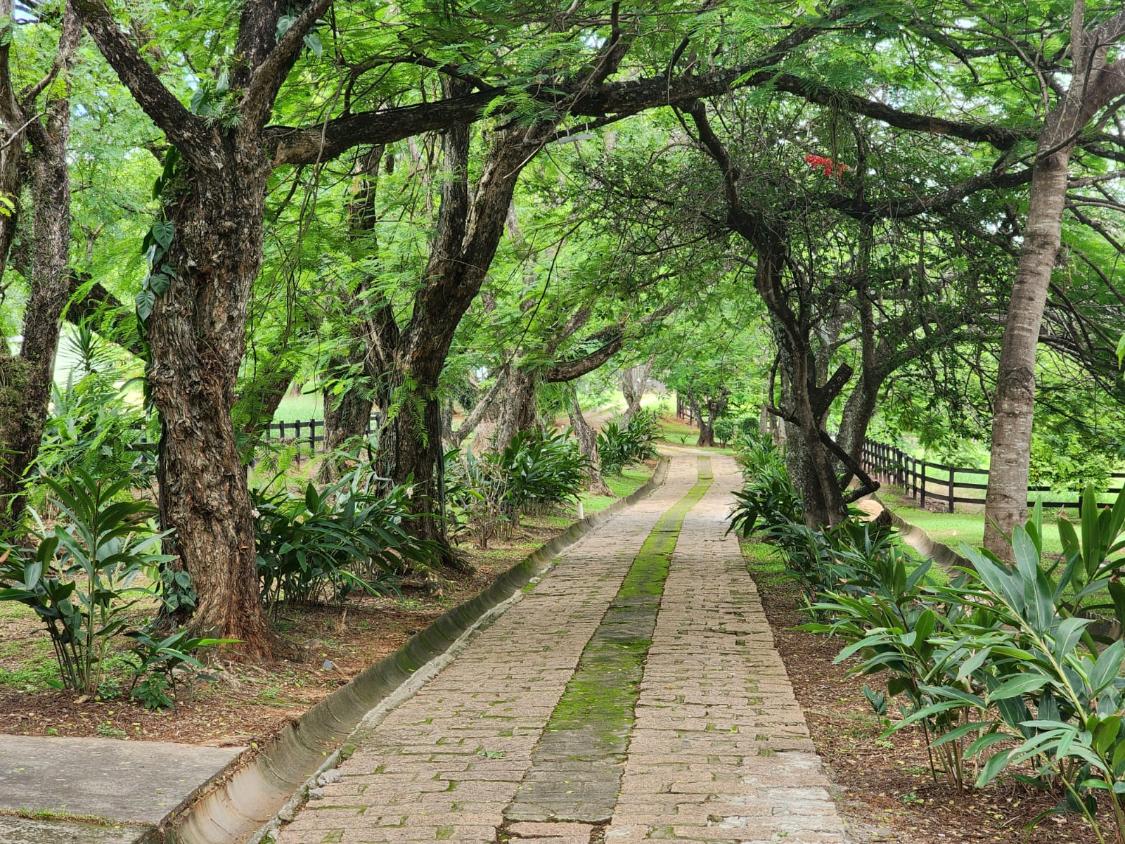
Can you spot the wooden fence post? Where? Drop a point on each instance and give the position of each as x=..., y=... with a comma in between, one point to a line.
x=952, y=478
x=922, y=487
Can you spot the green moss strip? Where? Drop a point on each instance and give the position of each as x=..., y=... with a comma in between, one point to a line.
x=576, y=768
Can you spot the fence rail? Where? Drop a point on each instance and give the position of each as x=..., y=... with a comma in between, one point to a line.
x=308, y=432
x=938, y=483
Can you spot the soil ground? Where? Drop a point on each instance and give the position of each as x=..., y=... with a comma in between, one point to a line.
x=320, y=648
x=888, y=792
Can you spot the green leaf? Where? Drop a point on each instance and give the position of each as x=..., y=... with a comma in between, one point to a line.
x=1107, y=667
x=1018, y=686
x=993, y=767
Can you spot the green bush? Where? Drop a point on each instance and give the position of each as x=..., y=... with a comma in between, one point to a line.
x=768, y=499
x=324, y=544
x=82, y=577
x=1001, y=667
x=623, y=445
x=159, y=663
x=542, y=469
x=476, y=492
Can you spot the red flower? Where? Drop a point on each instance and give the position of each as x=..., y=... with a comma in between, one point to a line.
x=827, y=166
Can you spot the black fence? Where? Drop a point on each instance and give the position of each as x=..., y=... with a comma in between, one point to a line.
x=938, y=484
x=308, y=434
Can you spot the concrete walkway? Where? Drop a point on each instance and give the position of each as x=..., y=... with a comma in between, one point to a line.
x=634, y=694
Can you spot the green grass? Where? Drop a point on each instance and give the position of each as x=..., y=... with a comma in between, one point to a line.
x=622, y=485
x=300, y=408
x=956, y=529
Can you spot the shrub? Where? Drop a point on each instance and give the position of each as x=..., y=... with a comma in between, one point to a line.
x=768, y=499
x=81, y=578
x=324, y=544
x=94, y=426
x=158, y=661
x=541, y=469
x=623, y=445
x=476, y=491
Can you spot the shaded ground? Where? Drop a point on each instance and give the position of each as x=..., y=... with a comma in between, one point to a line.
x=889, y=794
x=320, y=649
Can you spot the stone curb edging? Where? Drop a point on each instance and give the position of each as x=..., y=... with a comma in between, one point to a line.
x=921, y=541
x=241, y=803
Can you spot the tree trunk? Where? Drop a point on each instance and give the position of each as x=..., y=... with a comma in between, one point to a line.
x=634, y=382
x=517, y=407
x=706, y=432
x=1093, y=85
x=587, y=443
x=857, y=413
x=1013, y=407
x=26, y=380
x=196, y=337
x=410, y=452
x=481, y=410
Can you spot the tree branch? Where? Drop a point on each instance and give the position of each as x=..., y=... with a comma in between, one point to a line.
x=186, y=130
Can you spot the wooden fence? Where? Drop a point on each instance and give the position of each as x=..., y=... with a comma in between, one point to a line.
x=308, y=433
x=930, y=483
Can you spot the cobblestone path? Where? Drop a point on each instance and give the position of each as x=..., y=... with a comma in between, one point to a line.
x=634, y=694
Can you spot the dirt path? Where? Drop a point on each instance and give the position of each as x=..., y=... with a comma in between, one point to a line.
x=633, y=694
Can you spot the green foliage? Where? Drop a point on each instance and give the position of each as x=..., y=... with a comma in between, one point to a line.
x=96, y=426
x=769, y=498
x=158, y=661
x=326, y=543
x=998, y=667
x=623, y=445
x=541, y=469
x=476, y=494
x=80, y=579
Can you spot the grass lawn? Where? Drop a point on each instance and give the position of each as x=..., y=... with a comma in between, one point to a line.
x=626, y=483
x=956, y=529
x=300, y=407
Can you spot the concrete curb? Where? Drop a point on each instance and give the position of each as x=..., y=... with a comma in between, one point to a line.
x=922, y=542
x=241, y=803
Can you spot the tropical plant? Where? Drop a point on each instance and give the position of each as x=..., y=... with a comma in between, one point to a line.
x=1045, y=693
x=541, y=469
x=476, y=492
x=83, y=576
x=159, y=663
x=326, y=543
x=769, y=498
x=634, y=442
x=97, y=428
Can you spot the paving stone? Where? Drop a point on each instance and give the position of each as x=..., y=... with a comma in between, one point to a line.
x=718, y=749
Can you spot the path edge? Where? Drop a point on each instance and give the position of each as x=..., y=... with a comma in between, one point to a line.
x=921, y=541
x=242, y=801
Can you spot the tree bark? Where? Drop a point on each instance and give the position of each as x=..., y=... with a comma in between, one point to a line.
x=468, y=233
x=196, y=337
x=634, y=382
x=26, y=379
x=1093, y=85
x=587, y=443
x=517, y=407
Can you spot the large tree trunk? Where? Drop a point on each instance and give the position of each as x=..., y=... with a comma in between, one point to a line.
x=196, y=336
x=410, y=452
x=25, y=381
x=26, y=378
x=517, y=407
x=634, y=382
x=468, y=232
x=1092, y=86
x=587, y=443
x=1013, y=407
